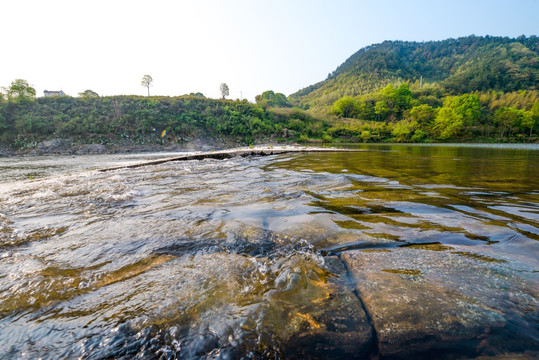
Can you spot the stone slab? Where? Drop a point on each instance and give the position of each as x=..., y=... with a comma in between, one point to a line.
x=225, y=154
x=425, y=302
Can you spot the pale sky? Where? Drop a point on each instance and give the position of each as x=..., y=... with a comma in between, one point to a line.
x=193, y=46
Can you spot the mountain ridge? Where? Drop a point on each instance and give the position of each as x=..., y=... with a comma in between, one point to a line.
x=465, y=64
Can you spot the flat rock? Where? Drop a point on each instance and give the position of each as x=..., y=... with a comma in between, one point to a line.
x=225, y=154
x=54, y=146
x=342, y=329
x=424, y=302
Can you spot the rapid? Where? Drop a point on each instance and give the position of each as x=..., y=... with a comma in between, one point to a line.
x=393, y=252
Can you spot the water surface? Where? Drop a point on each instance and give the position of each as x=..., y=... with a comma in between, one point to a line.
x=370, y=254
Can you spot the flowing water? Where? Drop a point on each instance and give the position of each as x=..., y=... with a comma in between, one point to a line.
x=397, y=251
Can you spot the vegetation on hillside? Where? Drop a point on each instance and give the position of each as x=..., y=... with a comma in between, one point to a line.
x=396, y=113
x=402, y=114
x=150, y=120
x=467, y=89
x=457, y=66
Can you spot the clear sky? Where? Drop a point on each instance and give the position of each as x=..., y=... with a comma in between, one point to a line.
x=252, y=45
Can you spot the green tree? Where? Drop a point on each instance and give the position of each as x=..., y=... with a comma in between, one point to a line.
x=265, y=97
x=467, y=106
x=20, y=90
x=535, y=113
x=346, y=107
x=223, y=88
x=365, y=110
x=447, y=123
x=270, y=98
x=528, y=120
x=88, y=94
x=423, y=114
x=280, y=100
x=419, y=136
x=535, y=108
x=390, y=93
x=147, y=82
x=403, y=130
x=402, y=99
x=365, y=135
x=381, y=110
x=506, y=118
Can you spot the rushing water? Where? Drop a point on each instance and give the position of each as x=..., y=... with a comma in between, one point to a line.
x=397, y=251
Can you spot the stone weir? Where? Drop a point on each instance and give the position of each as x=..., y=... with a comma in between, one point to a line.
x=225, y=154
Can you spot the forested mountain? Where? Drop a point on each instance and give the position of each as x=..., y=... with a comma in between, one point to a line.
x=458, y=66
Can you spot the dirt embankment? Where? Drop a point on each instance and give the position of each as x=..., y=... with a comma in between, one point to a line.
x=68, y=147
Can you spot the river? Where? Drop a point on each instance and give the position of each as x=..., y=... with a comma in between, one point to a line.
x=398, y=251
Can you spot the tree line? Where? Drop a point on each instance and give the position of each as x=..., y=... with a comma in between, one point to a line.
x=400, y=114
x=406, y=112
x=113, y=120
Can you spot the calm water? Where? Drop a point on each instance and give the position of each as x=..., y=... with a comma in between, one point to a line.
x=394, y=252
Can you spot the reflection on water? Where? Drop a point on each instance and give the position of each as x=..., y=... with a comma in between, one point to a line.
x=398, y=251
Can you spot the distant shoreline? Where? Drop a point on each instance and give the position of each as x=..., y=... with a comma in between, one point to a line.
x=66, y=148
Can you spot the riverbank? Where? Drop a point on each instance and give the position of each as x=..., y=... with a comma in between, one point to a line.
x=60, y=146
x=68, y=125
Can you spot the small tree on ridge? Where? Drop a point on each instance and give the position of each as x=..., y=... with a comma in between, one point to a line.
x=224, y=90
x=147, y=82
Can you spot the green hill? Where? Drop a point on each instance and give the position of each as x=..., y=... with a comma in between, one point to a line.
x=127, y=121
x=458, y=66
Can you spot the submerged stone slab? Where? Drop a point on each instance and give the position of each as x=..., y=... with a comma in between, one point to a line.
x=225, y=154
x=337, y=326
x=425, y=302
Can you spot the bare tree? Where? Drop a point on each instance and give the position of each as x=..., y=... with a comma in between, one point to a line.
x=224, y=90
x=147, y=82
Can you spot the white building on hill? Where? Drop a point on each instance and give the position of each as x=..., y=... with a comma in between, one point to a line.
x=47, y=93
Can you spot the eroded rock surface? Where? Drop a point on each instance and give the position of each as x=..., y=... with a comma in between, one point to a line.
x=423, y=302
x=342, y=329
x=55, y=146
